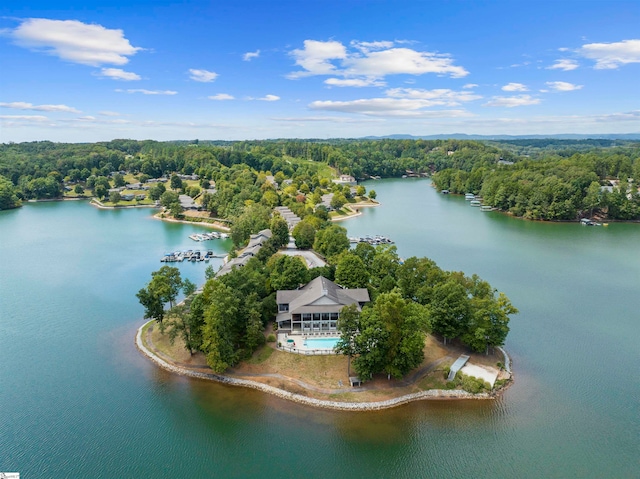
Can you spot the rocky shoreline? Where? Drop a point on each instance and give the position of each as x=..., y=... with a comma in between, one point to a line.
x=433, y=394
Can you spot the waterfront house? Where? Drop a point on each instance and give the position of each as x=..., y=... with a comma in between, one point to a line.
x=315, y=307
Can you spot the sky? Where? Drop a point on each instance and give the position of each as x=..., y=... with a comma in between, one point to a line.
x=234, y=70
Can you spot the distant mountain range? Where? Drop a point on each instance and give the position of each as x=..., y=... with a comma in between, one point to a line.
x=464, y=136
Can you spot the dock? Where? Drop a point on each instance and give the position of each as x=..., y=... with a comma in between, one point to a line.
x=208, y=236
x=190, y=255
x=372, y=240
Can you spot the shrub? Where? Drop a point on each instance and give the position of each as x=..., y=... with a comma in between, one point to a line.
x=474, y=385
x=271, y=338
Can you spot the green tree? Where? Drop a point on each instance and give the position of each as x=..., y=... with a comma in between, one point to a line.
x=114, y=197
x=175, y=182
x=372, y=194
x=218, y=338
x=156, y=191
x=489, y=323
x=280, y=231
x=591, y=200
x=304, y=235
x=450, y=309
x=338, y=201
x=331, y=241
x=169, y=198
x=348, y=323
x=351, y=271
x=391, y=338
x=78, y=190
x=360, y=190
x=8, y=197
x=118, y=180
x=287, y=272
x=254, y=218
x=100, y=191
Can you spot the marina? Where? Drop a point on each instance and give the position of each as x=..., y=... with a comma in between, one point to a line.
x=372, y=240
x=190, y=255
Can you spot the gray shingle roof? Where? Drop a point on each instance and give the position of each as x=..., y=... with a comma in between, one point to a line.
x=321, y=295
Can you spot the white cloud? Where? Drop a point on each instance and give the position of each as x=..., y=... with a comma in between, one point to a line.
x=512, y=101
x=109, y=113
x=74, y=41
x=564, y=64
x=563, y=86
x=353, y=82
x=332, y=119
x=203, y=76
x=396, y=61
x=269, y=98
x=221, y=96
x=468, y=86
x=369, y=60
x=515, y=87
x=315, y=56
x=366, y=47
x=440, y=96
x=148, y=92
x=612, y=55
x=20, y=105
x=119, y=74
x=389, y=107
x=247, y=57
x=36, y=118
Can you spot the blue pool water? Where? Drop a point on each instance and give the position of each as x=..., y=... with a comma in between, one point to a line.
x=321, y=343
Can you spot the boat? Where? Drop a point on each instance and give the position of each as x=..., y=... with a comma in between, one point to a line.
x=224, y=235
x=475, y=203
x=486, y=208
x=469, y=196
x=445, y=192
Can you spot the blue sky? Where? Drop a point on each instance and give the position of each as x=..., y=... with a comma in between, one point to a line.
x=79, y=71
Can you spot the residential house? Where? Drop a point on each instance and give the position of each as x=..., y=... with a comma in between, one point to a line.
x=316, y=306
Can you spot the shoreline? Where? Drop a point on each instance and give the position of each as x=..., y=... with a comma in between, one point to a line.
x=216, y=225
x=98, y=204
x=355, y=214
x=432, y=394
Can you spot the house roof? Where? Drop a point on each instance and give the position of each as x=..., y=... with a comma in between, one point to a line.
x=321, y=295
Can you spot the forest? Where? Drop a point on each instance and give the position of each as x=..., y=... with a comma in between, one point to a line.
x=535, y=179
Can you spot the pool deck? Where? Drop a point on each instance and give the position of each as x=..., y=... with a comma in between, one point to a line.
x=296, y=343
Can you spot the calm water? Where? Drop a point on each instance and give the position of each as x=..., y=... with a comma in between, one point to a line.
x=77, y=400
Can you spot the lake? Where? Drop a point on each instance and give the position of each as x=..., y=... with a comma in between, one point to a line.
x=78, y=400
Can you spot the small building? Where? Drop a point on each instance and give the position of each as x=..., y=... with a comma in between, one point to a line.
x=255, y=244
x=316, y=306
x=345, y=180
x=187, y=203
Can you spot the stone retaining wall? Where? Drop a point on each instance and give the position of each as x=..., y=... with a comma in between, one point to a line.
x=336, y=405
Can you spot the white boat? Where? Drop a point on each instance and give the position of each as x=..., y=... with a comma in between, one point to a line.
x=486, y=208
x=475, y=203
x=469, y=196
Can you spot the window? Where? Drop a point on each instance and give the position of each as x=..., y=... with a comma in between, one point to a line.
x=283, y=308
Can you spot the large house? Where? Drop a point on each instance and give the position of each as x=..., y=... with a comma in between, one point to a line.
x=316, y=306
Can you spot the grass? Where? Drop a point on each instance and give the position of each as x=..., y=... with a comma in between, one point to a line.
x=324, y=372
x=261, y=355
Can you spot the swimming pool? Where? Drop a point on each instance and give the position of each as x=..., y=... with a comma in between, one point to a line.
x=320, y=343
